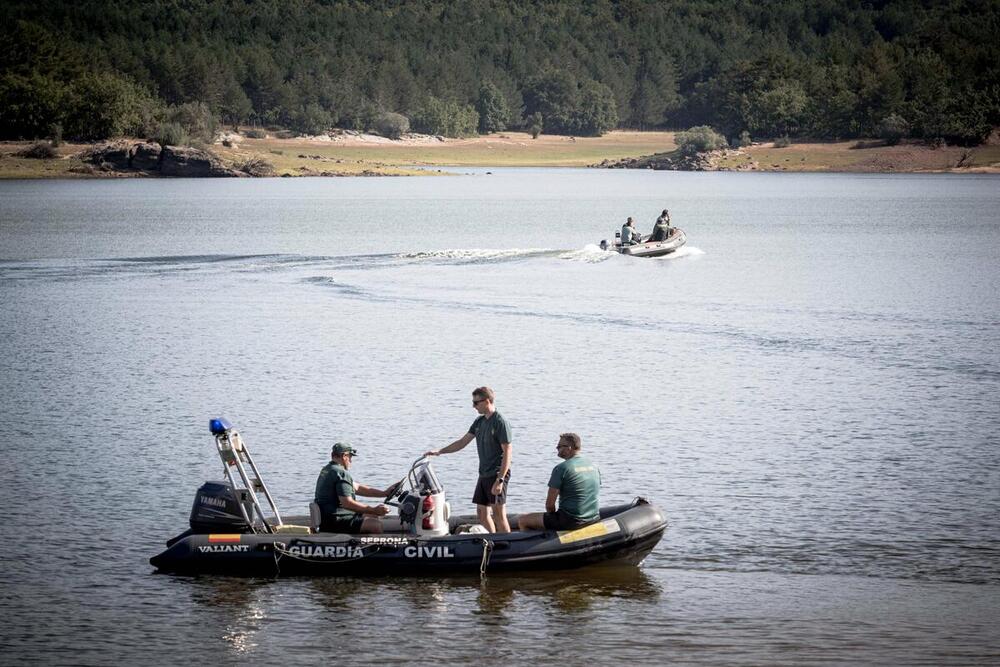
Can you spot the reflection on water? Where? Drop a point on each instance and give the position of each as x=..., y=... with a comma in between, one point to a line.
x=392, y=618
x=559, y=592
x=238, y=605
x=338, y=594
x=568, y=592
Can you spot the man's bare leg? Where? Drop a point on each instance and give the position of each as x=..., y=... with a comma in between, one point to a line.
x=500, y=516
x=483, y=514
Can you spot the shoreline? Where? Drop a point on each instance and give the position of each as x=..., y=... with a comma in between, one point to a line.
x=344, y=154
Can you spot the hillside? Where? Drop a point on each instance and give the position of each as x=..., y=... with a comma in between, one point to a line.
x=830, y=69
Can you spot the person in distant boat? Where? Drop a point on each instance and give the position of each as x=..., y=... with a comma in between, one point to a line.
x=661, y=230
x=492, y=435
x=576, y=483
x=335, y=494
x=629, y=235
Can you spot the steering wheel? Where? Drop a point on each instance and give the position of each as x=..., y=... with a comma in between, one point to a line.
x=393, y=491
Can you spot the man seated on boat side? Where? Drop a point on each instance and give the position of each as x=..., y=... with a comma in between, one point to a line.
x=335, y=495
x=576, y=482
x=629, y=235
x=661, y=230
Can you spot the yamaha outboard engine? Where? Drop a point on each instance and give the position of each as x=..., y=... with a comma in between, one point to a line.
x=216, y=509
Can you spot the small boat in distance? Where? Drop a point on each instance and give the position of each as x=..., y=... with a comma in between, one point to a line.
x=648, y=248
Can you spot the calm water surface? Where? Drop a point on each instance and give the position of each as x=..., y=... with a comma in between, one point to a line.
x=809, y=389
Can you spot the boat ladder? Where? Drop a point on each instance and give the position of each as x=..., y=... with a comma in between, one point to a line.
x=235, y=455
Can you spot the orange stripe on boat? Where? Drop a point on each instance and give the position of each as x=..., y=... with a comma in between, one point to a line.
x=224, y=537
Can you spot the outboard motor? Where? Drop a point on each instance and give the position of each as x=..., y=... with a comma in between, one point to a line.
x=604, y=244
x=216, y=509
x=423, y=509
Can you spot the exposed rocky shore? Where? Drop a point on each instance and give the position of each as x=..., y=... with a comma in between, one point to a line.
x=675, y=161
x=128, y=158
x=355, y=154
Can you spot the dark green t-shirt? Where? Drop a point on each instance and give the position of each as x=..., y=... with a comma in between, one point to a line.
x=334, y=481
x=578, y=482
x=490, y=434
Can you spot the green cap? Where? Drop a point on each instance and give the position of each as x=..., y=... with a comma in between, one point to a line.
x=344, y=448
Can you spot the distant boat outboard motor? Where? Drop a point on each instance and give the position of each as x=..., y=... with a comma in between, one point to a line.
x=618, y=242
x=423, y=509
x=216, y=509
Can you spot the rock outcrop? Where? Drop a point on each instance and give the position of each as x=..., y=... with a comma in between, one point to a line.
x=675, y=161
x=112, y=156
x=193, y=162
x=149, y=159
x=145, y=157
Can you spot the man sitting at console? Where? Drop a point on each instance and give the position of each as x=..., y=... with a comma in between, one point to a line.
x=629, y=234
x=335, y=495
x=576, y=482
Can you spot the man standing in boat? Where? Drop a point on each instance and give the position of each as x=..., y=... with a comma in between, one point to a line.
x=492, y=434
x=661, y=230
x=576, y=482
x=335, y=494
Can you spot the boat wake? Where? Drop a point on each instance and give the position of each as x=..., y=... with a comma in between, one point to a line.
x=475, y=255
x=686, y=251
x=590, y=254
x=268, y=263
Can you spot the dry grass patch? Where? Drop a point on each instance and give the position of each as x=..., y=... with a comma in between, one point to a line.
x=508, y=149
x=872, y=156
x=63, y=165
x=290, y=159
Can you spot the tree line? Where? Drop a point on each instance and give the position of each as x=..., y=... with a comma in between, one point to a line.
x=821, y=68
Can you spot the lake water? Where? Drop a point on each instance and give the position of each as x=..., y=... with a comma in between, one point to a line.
x=810, y=390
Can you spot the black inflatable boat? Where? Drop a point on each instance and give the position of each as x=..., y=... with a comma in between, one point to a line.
x=230, y=535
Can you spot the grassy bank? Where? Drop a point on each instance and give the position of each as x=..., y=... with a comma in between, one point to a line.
x=861, y=156
x=508, y=149
x=64, y=165
x=350, y=155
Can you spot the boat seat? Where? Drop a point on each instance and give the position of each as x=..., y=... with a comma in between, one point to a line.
x=315, y=517
x=470, y=529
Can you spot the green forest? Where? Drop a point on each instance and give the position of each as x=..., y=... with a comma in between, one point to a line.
x=93, y=69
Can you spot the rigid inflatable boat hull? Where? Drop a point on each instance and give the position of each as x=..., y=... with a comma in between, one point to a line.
x=625, y=535
x=676, y=239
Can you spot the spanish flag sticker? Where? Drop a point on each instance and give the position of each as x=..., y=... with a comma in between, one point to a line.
x=219, y=538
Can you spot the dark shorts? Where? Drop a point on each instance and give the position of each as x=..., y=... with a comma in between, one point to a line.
x=342, y=524
x=560, y=520
x=484, y=491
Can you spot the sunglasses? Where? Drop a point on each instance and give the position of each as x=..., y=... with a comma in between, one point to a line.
x=477, y=401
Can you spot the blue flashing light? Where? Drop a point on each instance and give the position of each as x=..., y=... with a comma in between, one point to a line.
x=219, y=425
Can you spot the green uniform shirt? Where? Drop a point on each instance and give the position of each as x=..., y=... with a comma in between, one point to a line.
x=578, y=482
x=490, y=434
x=334, y=481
